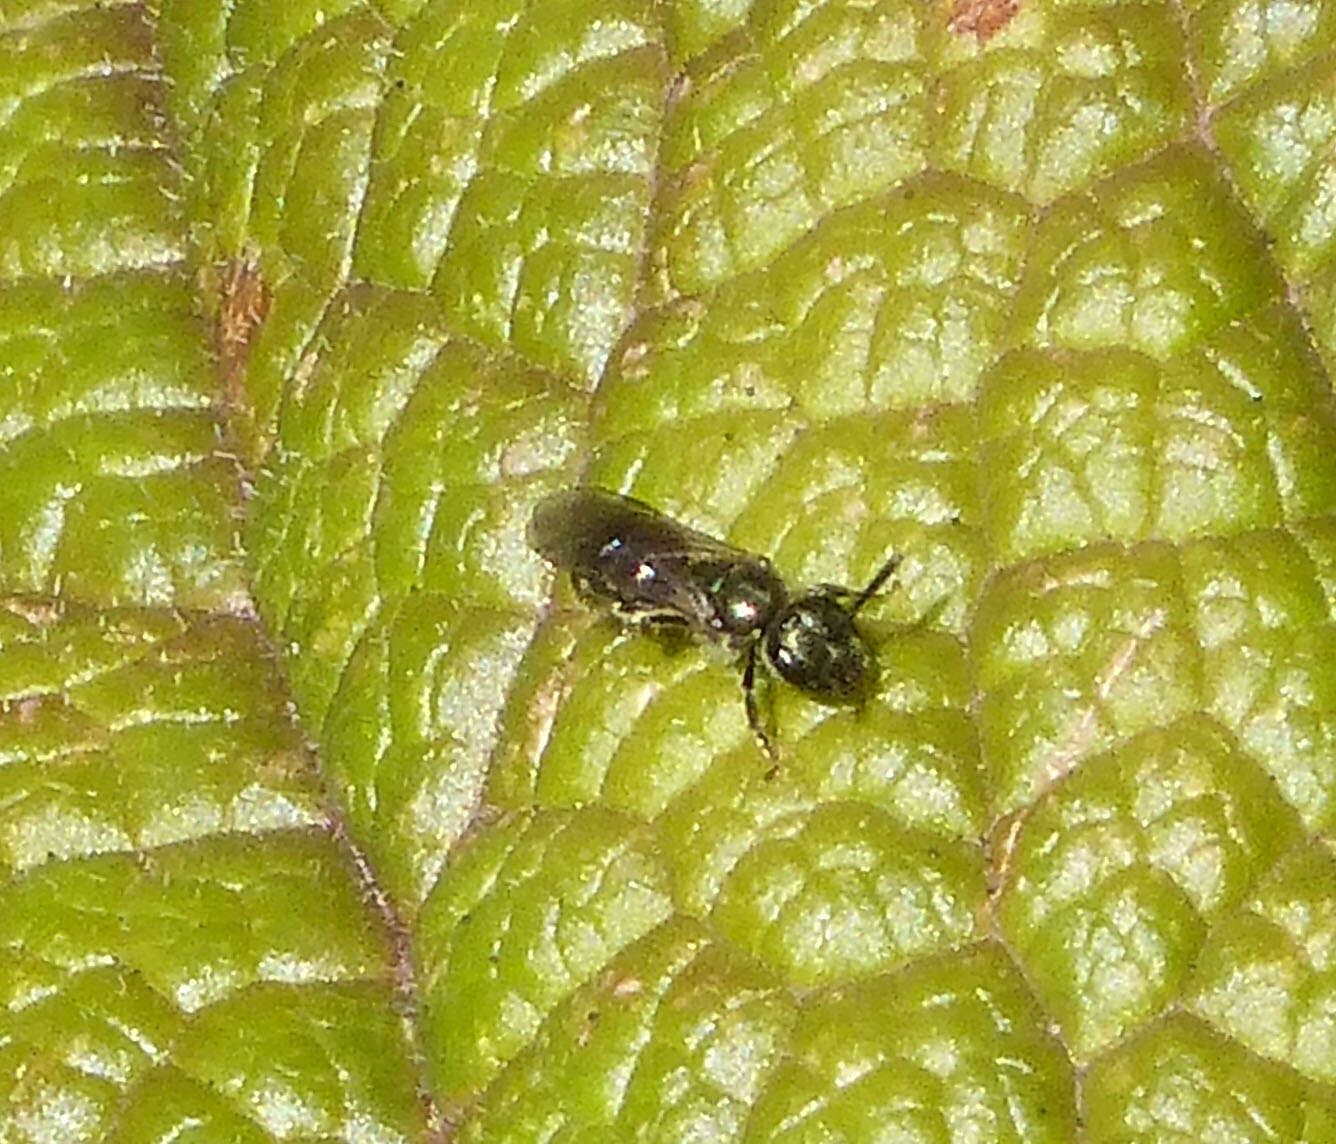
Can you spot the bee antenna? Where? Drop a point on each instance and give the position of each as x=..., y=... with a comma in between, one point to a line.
x=883, y=574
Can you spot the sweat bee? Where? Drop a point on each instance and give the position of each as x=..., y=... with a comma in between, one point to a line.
x=626, y=557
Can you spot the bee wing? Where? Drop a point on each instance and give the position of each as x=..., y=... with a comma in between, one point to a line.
x=631, y=554
x=572, y=528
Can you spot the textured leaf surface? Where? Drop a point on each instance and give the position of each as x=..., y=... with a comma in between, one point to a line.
x=328, y=813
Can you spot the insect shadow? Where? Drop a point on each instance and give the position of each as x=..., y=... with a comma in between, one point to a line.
x=639, y=564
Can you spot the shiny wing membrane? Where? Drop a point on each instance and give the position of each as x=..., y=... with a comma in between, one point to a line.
x=631, y=555
x=571, y=527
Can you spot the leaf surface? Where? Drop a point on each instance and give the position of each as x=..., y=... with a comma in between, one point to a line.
x=327, y=811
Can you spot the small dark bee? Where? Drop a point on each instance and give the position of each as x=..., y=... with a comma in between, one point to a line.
x=648, y=568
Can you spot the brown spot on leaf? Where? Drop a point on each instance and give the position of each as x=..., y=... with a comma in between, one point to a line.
x=243, y=305
x=983, y=18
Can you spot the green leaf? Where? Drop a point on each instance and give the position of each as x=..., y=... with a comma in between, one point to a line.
x=329, y=812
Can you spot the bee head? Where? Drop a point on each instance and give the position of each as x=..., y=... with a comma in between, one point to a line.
x=814, y=645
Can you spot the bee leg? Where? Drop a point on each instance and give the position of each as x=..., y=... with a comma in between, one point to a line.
x=753, y=712
x=884, y=573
